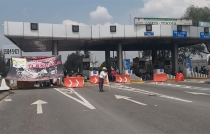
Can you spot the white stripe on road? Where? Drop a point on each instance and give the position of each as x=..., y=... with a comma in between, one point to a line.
x=196, y=93
x=84, y=102
x=173, y=98
x=135, y=102
x=181, y=86
x=150, y=93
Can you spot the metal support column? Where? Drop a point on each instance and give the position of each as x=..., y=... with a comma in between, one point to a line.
x=174, y=53
x=55, y=48
x=107, y=59
x=120, y=58
x=154, y=58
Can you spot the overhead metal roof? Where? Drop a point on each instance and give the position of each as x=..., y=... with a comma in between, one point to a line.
x=98, y=38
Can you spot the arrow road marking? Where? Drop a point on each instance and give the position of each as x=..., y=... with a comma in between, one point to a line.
x=120, y=79
x=125, y=79
x=196, y=93
x=77, y=83
x=95, y=79
x=83, y=102
x=39, y=105
x=70, y=82
x=127, y=98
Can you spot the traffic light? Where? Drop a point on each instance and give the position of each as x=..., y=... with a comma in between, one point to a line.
x=206, y=30
x=148, y=27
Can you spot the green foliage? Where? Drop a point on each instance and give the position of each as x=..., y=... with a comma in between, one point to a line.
x=186, y=52
x=160, y=53
x=73, y=62
x=103, y=64
x=198, y=14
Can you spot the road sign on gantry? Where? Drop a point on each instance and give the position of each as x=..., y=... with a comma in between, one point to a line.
x=161, y=21
x=177, y=34
x=10, y=51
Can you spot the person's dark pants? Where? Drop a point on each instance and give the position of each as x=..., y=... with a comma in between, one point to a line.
x=113, y=78
x=101, y=82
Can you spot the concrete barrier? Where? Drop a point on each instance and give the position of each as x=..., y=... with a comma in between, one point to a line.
x=4, y=85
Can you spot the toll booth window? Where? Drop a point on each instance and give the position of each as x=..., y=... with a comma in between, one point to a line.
x=148, y=27
x=167, y=62
x=141, y=64
x=86, y=65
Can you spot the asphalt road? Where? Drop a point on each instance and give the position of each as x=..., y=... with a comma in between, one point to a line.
x=178, y=108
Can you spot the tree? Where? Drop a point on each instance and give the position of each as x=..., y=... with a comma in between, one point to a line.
x=197, y=14
x=3, y=70
x=103, y=64
x=186, y=52
x=73, y=62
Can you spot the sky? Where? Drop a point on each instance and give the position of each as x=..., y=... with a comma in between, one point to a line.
x=89, y=12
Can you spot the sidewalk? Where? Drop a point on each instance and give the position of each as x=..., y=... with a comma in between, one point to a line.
x=3, y=94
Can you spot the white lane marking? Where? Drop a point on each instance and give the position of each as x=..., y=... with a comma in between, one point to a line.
x=196, y=93
x=84, y=102
x=182, y=86
x=150, y=93
x=70, y=82
x=39, y=105
x=77, y=83
x=174, y=98
x=8, y=100
x=127, y=98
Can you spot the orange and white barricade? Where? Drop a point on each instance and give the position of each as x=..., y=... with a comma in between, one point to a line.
x=160, y=77
x=74, y=82
x=179, y=77
x=123, y=78
x=95, y=79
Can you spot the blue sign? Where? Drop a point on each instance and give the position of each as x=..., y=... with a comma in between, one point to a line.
x=161, y=70
x=127, y=64
x=188, y=62
x=204, y=35
x=148, y=33
x=182, y=34
x=129, y=71
x=94, y=72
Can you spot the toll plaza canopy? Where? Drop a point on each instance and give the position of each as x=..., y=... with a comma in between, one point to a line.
x=146, y=34
x=39, y=37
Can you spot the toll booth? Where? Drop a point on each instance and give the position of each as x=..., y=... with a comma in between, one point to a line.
x=139, y=65
x=114, y=62
x=86, y=66
x=168, y=65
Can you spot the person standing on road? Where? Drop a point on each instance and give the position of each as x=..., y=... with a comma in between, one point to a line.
x=102, y=76
x=113, y=73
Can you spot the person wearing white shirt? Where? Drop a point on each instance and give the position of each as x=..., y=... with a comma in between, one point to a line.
x=102, y=76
